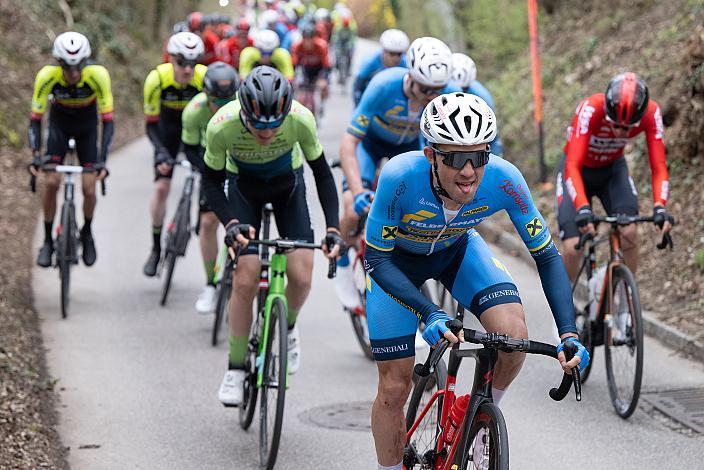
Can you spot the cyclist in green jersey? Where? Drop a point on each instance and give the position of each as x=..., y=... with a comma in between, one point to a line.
x=220, y=85
x=259, y=142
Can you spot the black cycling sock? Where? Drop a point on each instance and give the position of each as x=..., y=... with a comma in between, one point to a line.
x=156, y=234
x=86, y=225
x=47, y=231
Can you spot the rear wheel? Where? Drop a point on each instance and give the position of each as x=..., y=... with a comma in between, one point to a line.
x=488, y=440
x=623, y=341
x=271, y=406
x=359, y=314
x=584, y=329
x=249, y=398
x=420, y=449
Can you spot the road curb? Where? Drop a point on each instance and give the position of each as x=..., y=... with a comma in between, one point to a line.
x=671, y=337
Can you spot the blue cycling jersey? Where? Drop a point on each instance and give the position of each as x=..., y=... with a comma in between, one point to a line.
x=371, y=66
x=383, y=115
x=477, y=89
x=407, y=217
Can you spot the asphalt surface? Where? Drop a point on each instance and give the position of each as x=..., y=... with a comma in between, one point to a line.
x=138, y=382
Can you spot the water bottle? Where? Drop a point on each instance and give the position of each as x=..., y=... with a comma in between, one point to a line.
x=594, y=290
x=457, y=412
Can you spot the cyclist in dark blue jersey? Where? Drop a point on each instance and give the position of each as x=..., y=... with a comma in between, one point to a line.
x=394, y=43
x=383, y=125
x=464, y=74
x=421, y=226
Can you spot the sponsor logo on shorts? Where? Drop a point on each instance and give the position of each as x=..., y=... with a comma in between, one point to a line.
x=389, y=349
x=475, y=211
x=499, y=293
x=534, y=227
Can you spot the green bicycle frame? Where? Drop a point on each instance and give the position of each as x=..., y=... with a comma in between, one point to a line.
x=277, y=289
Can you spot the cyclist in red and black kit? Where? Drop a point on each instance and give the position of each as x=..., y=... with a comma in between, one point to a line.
x=593, y=165
x=311, y=57
x=228, y=50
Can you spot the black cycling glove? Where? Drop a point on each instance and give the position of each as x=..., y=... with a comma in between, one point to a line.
x=584, y=216
x=660, y=216
x=333, y=238
x=233, y=230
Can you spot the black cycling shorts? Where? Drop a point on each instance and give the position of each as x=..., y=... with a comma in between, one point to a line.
x=611, y=184
x=82, y=125
x=286, y=193
x=170, y=134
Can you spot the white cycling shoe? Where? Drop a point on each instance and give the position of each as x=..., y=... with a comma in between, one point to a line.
x=344, y=287
x=232, y=388
x=294, y=350
x=206, y=300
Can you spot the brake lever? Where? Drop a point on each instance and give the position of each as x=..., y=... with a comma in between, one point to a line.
x=665, y=242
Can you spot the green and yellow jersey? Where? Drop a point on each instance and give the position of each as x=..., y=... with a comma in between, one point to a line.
x=162, y=91
x=280, y=59
x=195, y=119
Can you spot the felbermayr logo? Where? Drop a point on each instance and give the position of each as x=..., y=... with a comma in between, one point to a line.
x=517, y=194
x=497, y=294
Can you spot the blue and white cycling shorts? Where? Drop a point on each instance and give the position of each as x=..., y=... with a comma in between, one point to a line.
x=468, y=269
x=370, y=153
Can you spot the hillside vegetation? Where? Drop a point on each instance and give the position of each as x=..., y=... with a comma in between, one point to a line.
x=125, y=36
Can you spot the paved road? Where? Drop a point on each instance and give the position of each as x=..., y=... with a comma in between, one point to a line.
x=140, y=381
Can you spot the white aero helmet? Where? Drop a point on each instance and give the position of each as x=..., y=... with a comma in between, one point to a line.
x=464, y=71
x=458, y=119
x=185, y=44
x=266, y=40
x=71, y=48
x=430, y=62
x=394, y=40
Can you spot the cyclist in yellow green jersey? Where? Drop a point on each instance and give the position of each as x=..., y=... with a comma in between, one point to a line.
x=220, y=86
x=76, y=86
x=259, y=142
x=167, y=90
x=266, y=51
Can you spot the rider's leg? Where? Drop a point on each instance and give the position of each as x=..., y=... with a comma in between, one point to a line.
x=157, y=209
x=620, y=196
x=52, y=181
x=388, y=423
x=350, y=219
x=629, y=246
x=88, y=181
x=244, y=289
x=299, y=272
x=209, y=244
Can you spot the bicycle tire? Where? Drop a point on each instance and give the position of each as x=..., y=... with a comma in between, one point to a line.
x=624, y=405
x=428, y=431
x=63, y=258
x=359, y=320
x=170, y=263
x=275, y=363
x=249, y=397
x=489, y=417
x=224, y=290
x=584, y=330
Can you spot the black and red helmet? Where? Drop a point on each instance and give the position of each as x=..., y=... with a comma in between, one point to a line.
x=195, y=21
x=626, y=99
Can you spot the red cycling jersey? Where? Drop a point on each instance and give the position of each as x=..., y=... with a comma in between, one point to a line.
x=312, y=57
x=591, y=143
x=228, y=50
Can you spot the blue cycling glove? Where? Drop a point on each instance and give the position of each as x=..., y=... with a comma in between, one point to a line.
x=362, y=202
x=435, y=327
x=582, y=352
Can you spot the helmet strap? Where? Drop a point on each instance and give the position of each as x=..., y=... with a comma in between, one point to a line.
x=436, y=183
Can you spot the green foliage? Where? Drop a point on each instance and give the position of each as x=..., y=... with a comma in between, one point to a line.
x=699, y=259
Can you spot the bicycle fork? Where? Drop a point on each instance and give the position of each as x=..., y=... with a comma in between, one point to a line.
x=277, y=289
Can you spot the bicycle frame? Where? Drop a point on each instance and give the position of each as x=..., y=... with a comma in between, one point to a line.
x=277, y=289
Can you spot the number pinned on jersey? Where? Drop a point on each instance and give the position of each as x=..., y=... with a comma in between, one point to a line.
x=388, y=232
x=534, y=227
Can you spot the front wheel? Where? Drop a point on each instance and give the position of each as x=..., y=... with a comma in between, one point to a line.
x=488, y=440
x=170, y=263
x=420, y=448
x=623, y=341
x=64, y=255
x=224, y=290
x=585, y=328
x=358, y=316
x=271, y=405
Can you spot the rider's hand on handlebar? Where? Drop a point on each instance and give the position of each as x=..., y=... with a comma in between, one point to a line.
x=163, y=162
x=662, y=219
x=239, y=234
x=363, y=201
x=585, y=219
x=36, y=164
x=436, y=328
x=581, y=358
x=333, y=243
x=101, y=171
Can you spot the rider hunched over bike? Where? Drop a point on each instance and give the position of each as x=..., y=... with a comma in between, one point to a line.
x=220, y=85
x=76, y=86
x=421, y=226
x=167, y=90
x=266, y=51
x=312, y=61
x=384, y=124
x=593, y=165
x=394, y=44
x=259, y=143
x=464, y=74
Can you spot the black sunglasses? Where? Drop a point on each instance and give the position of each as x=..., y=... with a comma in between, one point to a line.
x=183, y=62
x=429, y=91
x=458, y=160
x=395, y=54
x=623, y=127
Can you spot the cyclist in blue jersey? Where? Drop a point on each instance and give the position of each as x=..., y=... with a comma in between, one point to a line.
x=421, y=226
x=394, y=43
x=383, y=125
x=464, y=74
